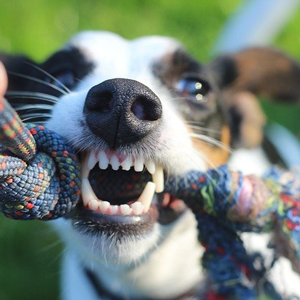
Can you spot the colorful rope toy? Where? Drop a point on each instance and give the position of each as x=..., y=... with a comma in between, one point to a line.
x=40, y=179
x=43, y=181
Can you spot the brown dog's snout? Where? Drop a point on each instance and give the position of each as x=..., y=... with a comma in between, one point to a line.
x=122, y=111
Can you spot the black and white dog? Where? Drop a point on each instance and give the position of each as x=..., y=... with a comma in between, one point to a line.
x=147, y=108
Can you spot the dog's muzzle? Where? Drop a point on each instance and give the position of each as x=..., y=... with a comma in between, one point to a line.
x=122, y=192
x=122, y=111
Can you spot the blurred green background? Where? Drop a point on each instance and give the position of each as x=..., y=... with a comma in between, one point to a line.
x=29, y=251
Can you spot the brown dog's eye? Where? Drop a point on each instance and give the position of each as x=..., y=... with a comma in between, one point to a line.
x=193, y=88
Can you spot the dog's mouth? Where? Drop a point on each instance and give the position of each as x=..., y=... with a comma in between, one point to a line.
x=120, y=189
x=116, y=184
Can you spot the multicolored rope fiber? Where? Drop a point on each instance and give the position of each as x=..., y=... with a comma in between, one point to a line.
x=40, y=179
x=225, y=204
x=43, y=181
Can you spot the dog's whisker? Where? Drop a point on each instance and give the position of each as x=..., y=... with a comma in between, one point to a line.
x=34, y=107
x=39, y=119
x=15, y=100
x=29, y=93
x=205, y=129
x=50, y=246
x=50, y=76
x=212, y=141
x=39, y=81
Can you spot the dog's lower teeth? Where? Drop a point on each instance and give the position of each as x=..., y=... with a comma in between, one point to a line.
x=125, y=209
x=104, y=205
x=137, y=208
x=93, y=205
x=114, y=209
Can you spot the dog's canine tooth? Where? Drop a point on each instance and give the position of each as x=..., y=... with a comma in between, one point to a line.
x=158, y=179
x=150, y=165
x=93, y=204
x=125, y=209
x=139, y=164
x=104, y=205
x=126, y=163
x=103, y=160
x=87, y=192
x=137, y=208
x=147, y=195
x=92, y=160
x=114, y=161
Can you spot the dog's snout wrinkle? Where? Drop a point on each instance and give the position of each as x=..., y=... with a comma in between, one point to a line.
x=122, y=111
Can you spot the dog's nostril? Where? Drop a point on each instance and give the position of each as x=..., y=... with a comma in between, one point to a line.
x=122, y=111
x=101, y=102
x=145, y=110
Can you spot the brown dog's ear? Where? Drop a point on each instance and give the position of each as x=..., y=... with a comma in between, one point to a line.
x=245, y=75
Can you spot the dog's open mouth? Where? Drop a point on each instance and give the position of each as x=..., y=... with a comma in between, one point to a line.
x=117, y=184
x=123, y=190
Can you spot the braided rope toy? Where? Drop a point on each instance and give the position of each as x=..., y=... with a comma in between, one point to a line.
x=43, y=181
x=40, y=179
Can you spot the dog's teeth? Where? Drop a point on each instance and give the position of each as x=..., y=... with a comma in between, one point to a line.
x=91, y=161
x=87, y=191
x=147, y=195
x=139, y=164
x=114, y=209
x=150, y=166
x=93, y=204
x=114, y=161
x=127, y=163
x=158, y=179
x=137, y=208
x=125, y=209
x=104, y=205
x=103, y=160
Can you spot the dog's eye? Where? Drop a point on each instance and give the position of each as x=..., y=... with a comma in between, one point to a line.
x=63, y=78
x=193, y=88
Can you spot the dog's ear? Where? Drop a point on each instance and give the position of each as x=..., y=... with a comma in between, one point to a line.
x=18, y=67
x=245, y=75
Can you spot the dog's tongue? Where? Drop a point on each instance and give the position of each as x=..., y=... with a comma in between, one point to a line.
x=111, y=185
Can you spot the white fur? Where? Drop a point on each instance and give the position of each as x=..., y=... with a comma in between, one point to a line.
x=154, y=275
x=166, y=261
x=115, y=57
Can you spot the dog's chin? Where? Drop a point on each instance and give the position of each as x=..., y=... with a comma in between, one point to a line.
x=123, y=226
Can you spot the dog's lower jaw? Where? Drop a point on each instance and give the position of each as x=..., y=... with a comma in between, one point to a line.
x=169, y=268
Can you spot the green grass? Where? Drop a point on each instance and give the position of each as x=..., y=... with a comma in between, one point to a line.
x=29, y=263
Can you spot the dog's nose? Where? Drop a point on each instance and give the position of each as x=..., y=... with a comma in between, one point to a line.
x=122, y=111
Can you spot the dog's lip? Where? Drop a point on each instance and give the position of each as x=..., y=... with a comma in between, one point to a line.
x=150, y=216
x=87, y=221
